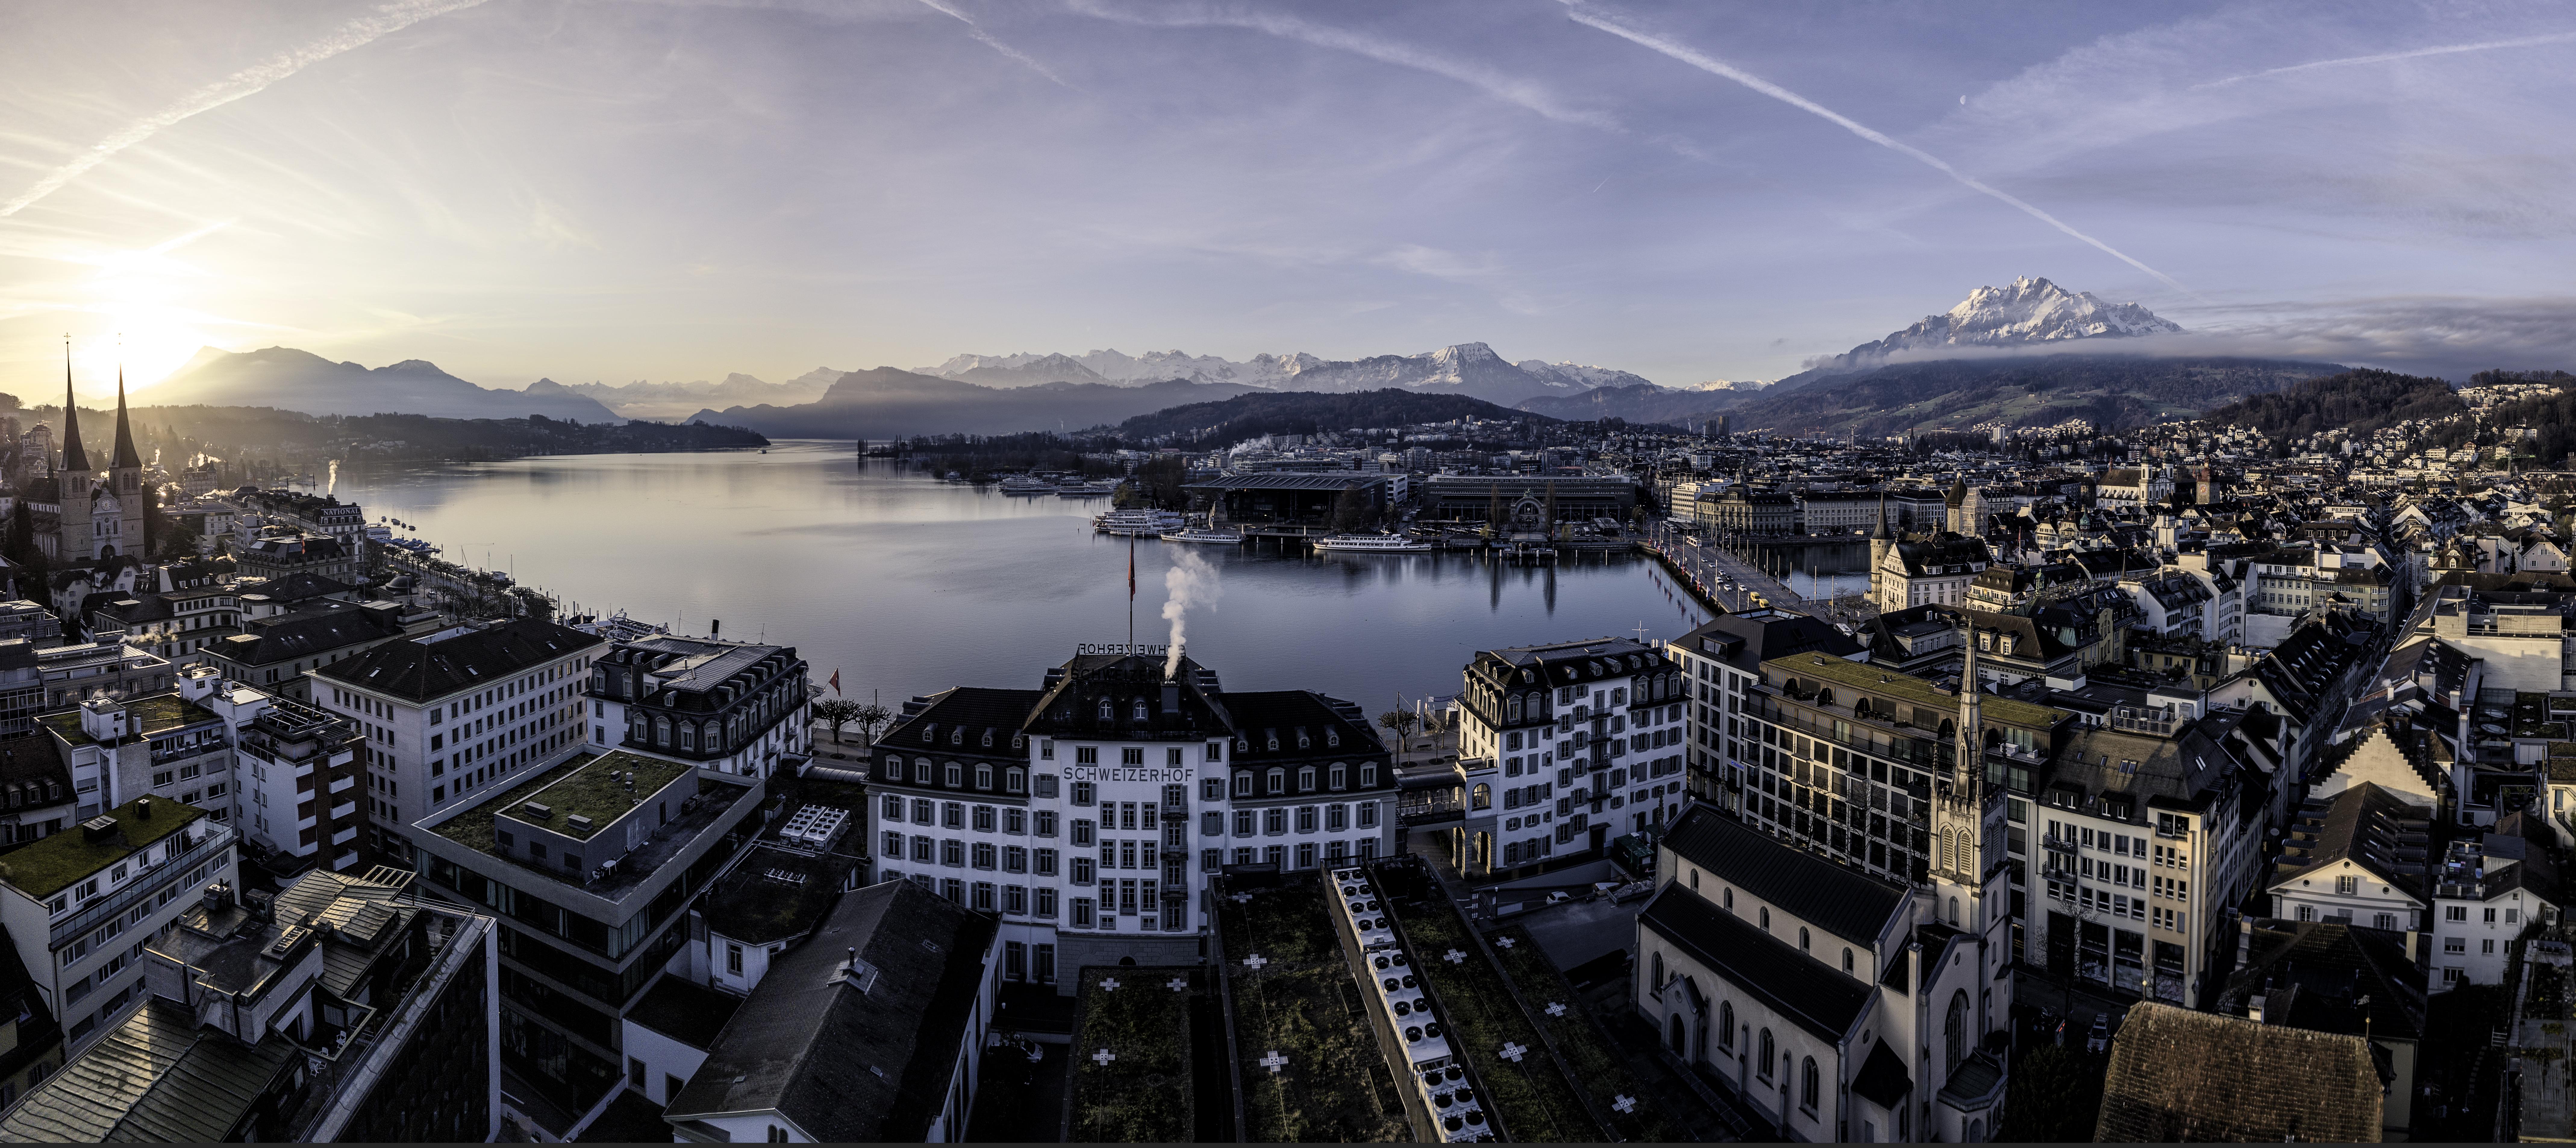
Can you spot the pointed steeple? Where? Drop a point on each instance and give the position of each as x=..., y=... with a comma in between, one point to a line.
x=74, y=458
x=1882, y=514
x=126, y=456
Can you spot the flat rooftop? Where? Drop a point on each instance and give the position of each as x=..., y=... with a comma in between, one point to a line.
x=1864, y=676
x=471, y=827
x=597, y=789
x=53, y=863
x=157, y=714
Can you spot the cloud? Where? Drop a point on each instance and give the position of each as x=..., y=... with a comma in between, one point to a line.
x=1501, y=85
x=2388, y=57
x=247, y=82
x=977, y=31
x=1716, y=67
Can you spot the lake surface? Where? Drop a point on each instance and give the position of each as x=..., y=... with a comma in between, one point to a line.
x=908, y=585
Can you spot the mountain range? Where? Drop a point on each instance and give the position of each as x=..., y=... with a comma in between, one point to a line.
x=674, y=401
x=1471, y=369
x=291, y=380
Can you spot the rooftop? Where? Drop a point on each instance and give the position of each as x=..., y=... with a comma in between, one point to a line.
x=157, y=714
x=471, y=827
x=599, y=791
x=1907, y=687
x=52, y=864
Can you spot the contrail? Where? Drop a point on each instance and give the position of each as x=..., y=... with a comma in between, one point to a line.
x=977, y=31
x=2385, y=57
x=390, y=18
x=1793, y=99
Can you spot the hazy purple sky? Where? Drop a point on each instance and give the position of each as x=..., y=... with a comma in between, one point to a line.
x=620, y=189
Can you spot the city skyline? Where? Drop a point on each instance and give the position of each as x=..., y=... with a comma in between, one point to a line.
x=674, y=191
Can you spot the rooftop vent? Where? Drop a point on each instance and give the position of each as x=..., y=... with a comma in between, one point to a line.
x=99, y=828
x=540, y=812
x=577, y=821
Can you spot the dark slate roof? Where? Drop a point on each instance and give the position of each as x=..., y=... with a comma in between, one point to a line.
x=685, y=1011
x=2183, y=1075
x=2312, y=975
x=1845, y=902
x=2368, y=826
x=158, y=1076
x=419, y=670
x=842, y=1065
x=1747, y=640
x=1817, y=997
x=316, y=629
x=300, y=586
x=776, y=894
x=697, y=665
x=1291, y=712
x=34, y=759
x=1883, y=1080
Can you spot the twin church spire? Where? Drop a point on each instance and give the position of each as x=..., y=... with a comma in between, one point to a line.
x=75, y=456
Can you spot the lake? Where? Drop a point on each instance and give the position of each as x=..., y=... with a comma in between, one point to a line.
x=908, y=585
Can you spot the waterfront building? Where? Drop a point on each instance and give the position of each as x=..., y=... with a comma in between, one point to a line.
x=1563, y=746
x=80, y=905
x=738, y=708
x=873, y=1032
x=1722, y=658
x=1471, y=497
x=347, y=1013
x=342, y=522
x=1089, y=813
x=452, y=717
x=1838, y=512
x=591, y=865
x=1928, y=571
x=1735, y=510
x=1287, y=499
x=1836, y=1005
x=277, y=551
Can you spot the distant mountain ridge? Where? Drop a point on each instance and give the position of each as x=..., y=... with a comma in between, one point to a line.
x=1471, y=369
x=887, y=402
x=643, y=400
x=2109, y=390
x=291, y=380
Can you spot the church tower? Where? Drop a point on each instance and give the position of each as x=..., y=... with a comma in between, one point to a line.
x=75, y=479
x=125, y=481
x=1971, y=882
x=1880, y=541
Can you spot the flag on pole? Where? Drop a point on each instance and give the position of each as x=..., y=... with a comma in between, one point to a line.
x=836, y=680
x=1131, y=567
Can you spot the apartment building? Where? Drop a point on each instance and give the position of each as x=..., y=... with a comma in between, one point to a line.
x=36, y=798
x=1721, y=659
x=81, y=905
x=737, y=708
x=348, y=1013
x=274, y=652
x=1089, y=813
x=164, y=745
x=2487, y=893
x=1563, y=746
x=452, y=717
x=295, y=774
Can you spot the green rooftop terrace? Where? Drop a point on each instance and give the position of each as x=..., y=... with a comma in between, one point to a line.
x=598, y=791
x=1846, y=675
x=472, y=828
x=54, y=863
x=157, y=714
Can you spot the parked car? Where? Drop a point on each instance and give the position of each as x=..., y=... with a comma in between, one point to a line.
x=2099, y=1040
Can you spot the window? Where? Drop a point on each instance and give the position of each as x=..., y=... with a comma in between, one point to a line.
x=2347, y=886
x=1807, y=1085
x=1762, y=1060
x=2455, y=912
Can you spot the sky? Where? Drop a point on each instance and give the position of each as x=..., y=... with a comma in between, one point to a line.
x=617, y=190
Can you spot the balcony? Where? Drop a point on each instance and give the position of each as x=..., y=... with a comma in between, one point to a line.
x=2055, y=843
x=144, y=885
x=344, y=811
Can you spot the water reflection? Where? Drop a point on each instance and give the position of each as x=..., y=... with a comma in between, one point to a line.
x=910, y=585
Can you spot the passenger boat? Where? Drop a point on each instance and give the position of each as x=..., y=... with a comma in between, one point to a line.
x=1372, y=544
x=1023, y=484
x=1204, y=535
x=1139, y=523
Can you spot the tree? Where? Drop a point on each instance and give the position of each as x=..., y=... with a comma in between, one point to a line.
x=838, y=712
x=2055, y=1095
x=1398, y=722
x=873, y=719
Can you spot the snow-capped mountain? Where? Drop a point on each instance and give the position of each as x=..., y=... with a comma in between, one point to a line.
x=2027, y=312
x=1471, y=369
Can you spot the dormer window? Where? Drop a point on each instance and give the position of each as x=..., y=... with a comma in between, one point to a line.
x=929, y=732
x=1302, y=742
x=1333, y=738
x=1140, y=709
x=957, y=736
x=1105, y=714
x=988, y=739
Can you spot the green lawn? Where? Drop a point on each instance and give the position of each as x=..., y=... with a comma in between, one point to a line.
x=1142, y=1096
x=1534, y=1100
x=1303, y=1004
x=1595, y=1064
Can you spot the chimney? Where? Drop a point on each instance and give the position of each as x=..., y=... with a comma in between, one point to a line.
x=1171, y=696
x=217, y=896
x=143, y=808
x=715, y=628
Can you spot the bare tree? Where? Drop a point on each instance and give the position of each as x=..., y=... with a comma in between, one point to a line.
x=839, y=712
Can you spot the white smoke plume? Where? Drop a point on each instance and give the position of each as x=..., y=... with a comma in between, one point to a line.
x=1190, y=582
x=1716, y=67
x=389, y=19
